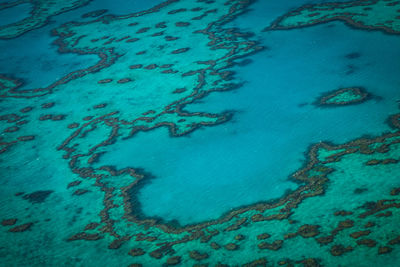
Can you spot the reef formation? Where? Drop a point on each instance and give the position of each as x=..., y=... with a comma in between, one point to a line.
x=42, y=11
x=342, y=97
x=148, y=71
x=381, y=15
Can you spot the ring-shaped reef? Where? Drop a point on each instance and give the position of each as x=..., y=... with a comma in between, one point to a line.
x=343, y=97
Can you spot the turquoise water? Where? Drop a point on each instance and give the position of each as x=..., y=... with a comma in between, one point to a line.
x=41, y=64
x=105, y=162
x=265, y=142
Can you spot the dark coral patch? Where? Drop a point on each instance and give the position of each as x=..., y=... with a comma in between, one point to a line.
x=132, y=40
x=174, y=260
x=177, y=11
x=263, y=236
x=276, y=245
x=136, y=252
x=91, y=226
x=87, y=118
x=255, y=263
x=308, y=230
x=182, y=24
x=161, y=25
x=343, y=213
x=395, y=241
x=358, y=234
x=124, y=80
x=104, y=81
x=59, y=117
x=22, y=122
x=136, y=66
x=10, y=118
x=74, y=183
x=45, y=117
x=85, y=236
x=156, y=254
x=215, y=246
x=343, y=225
x=395, y=191
x=310, y=262
x=11, y=129
x=102, y=105
x=180, y=50
x=38, y=196
x=151, y=67
x=157, y=34
x=169, y=71
x=367, y=242
x=93, y=14
x=165, y=66
x=237, y=225
x=48, y=105
x=339, y=250
x=384, y=250
x=116, y=244
x=143, y=30
x=372, y=162
x=123, y=38
x=194, y=254
x=179, y=90
x=26, y=109
x=369, y=224
x=142, y=237
x=80, y=192
x=324, y=240
x=239, y=237
x=73, y=125
x=198, y=17
x=21, y=228
x=8, y=222
x=384, y=214
x=389, y=161
x=231, y=246
x=171, y=38
x=148, y=112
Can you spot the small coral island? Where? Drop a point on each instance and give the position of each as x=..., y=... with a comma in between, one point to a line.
x=343, y=97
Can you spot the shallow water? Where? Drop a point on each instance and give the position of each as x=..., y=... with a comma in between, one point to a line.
x=101, y=156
